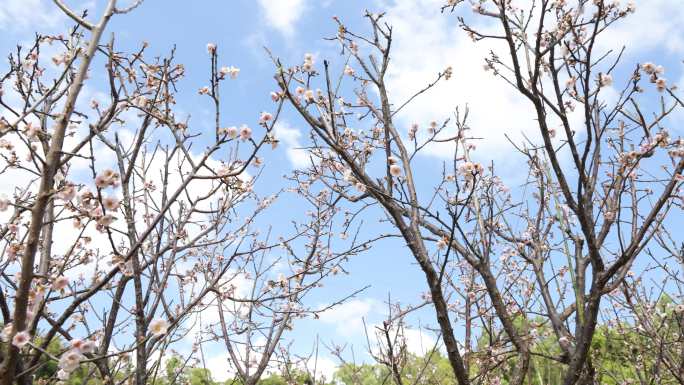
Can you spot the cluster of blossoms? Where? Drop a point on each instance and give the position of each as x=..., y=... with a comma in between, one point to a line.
x=308, y=95
x=678, y=150
x=32, y=131
x=470, y=169
x=412, y=131
x=125, y=266
x=19, y=340
x=232, y=132
x=661, y=139
x=231, y=71
x=89, y=203
x=308, y=65
x=654, y=73
x=60, y=283
x=432, y=129
x=349, y=177
x=35, y=302
x=107, y=178
x=394, y=168
x=605, y=80
x=71, y=359
x=67, y=193
x=62, y=58
x=348, y=71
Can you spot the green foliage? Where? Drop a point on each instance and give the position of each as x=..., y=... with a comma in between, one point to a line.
x=433, y=368
x=49, y=367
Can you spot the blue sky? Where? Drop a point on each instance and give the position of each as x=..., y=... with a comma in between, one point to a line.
x=425, y=43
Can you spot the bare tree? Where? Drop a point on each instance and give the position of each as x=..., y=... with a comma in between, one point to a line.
x=121, y=229
x=591, y=217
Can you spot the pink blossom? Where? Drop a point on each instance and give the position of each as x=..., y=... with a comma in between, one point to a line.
x=67, y=193
x=605, y=80
x=265, y=117
x=4, y=202
x=245, y=132
x=348, y=71
x=70, y=360
x=232, y=132
x=233, y=72
x=110, y=203
x=159, y=327
x=105, y=220
x=21, y=339
x=60, y=283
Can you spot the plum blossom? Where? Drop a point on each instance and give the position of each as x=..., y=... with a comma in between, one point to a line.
x=231, y=71
x=308, y=65
x=70, y=360
x=77, y=344
x=448, y=73
x=67, y=193
x=105, y=220
x=232, y=131
x=88, y=346
x=21, y=339
x=211, y=48
x=309, y=95
x=245, y=132
x=649, y=68
x=265, y=117
x=60, y=283
x=605, y=80
x=107, y=178
x=159, y=327
x=412, y=131
x=348, y=70
x=4, y=202
x=395, y=170
x=469, y=168
x=111, y=203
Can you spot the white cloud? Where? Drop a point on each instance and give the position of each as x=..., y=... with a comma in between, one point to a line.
x=425, y=42
x=348, y=317
x=22, y=14
x=290, y=138
x=656, y=25
x=418, y=342
x=283, y=14
x=220, y=367
x=324, y=366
